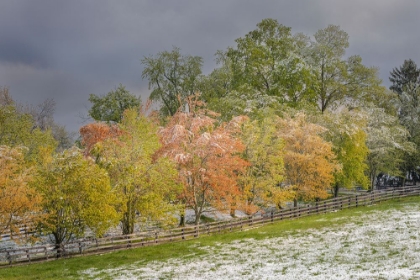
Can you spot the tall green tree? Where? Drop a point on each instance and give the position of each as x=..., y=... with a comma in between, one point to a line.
x=110, y=107
x=172, y=77
x=270, y=61
x=406, y=84
x=338, y=80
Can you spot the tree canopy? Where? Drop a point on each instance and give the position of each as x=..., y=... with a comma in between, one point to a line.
x=110, y=107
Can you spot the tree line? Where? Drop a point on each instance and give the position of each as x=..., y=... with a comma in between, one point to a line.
x=284, y=117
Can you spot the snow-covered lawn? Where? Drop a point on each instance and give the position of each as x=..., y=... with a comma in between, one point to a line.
x=381, y=245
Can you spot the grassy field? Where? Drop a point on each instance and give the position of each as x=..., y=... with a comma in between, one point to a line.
x=264, y=252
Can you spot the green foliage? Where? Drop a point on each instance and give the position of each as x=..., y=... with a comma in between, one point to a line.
x=110, y=108
x=338, y=80
x=269, y=60
x=406, y=74
x=346, y=131
x=406, y=84
x=388, y=144
x=17, y=129
x=76, y=195
x=173, y=77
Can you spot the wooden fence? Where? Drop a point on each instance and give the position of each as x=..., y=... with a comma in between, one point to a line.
x=112, y=243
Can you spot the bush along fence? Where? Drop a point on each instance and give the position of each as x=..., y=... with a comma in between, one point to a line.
x=112, y=243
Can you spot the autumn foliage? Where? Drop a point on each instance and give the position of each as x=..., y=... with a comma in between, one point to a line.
x=309, y=160
x=207, y=157
x=19, y=202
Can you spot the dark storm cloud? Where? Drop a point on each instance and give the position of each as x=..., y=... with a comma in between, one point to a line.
x=68, y=49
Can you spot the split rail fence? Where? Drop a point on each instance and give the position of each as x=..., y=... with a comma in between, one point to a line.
x=112, y=243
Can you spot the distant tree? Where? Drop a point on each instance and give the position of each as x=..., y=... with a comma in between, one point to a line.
x=42, y=119
x=207, y=157
x=5, y=98
x=17, y=129
x=110, y=107
x=76, y=196
x=172, y=77
x=94, y=133
x=19, y=202
x=406, y=74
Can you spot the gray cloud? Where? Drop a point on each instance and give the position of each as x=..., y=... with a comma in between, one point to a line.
x=68, y=49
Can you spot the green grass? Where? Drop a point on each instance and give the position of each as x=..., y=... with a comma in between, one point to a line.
x=69, y=268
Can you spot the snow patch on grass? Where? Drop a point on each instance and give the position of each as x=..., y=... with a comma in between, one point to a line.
x=381, y=245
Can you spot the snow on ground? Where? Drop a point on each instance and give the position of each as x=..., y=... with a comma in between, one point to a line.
x=381, y=245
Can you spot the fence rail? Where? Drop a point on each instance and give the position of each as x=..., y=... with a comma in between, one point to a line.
x=112, y=243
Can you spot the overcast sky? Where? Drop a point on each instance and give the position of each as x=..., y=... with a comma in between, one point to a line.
x=66, y=50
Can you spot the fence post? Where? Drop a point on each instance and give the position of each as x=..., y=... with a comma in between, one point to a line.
x=183, y=236
x=272, y=216
x=46, y=252
x=316, y=207
x=156, y=237
x=28, y=255
x=9, y=257
x=357, y=201
x=325, y=207
x=250, y=220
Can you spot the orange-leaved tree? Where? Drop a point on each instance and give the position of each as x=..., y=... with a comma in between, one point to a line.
x=97, y=132
x=207, y=157
x=309, y=160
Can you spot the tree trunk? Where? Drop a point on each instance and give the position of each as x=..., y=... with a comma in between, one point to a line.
x=295, y=203
x=182, y=218
x=336, y=189
x=128, y=219
x=232, y=211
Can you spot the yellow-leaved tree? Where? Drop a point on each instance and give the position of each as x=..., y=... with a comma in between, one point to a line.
x=264, y=150
x=146, y=185
x=76, y=194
